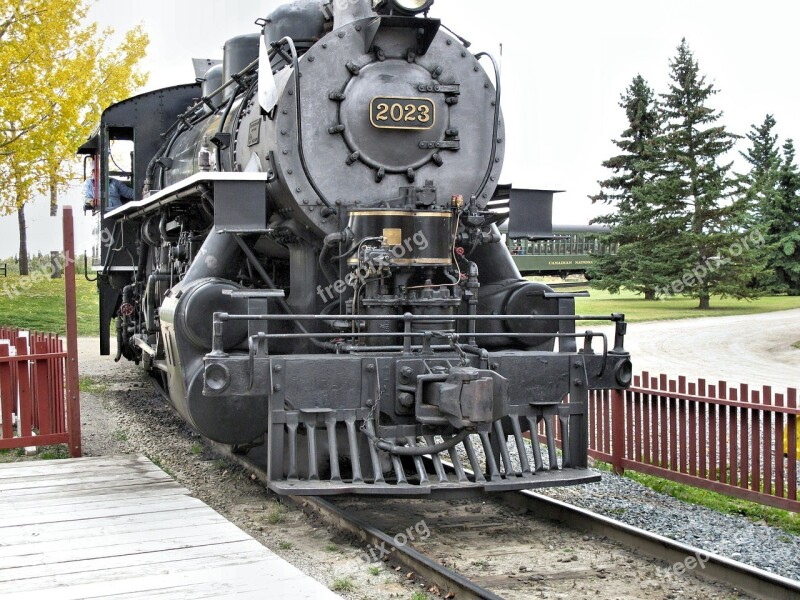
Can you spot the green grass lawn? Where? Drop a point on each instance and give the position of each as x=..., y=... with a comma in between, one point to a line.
x=636, y=308
x=39, y=304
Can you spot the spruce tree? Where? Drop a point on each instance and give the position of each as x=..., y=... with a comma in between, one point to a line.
x=760, y=188
x=695, y=191
x=631, y=222
x=782, y=226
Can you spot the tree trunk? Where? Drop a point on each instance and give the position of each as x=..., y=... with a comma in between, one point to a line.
x=23, y=242
x=55, y=263
x=650, y=295
x=53, y=198
x=705, y=299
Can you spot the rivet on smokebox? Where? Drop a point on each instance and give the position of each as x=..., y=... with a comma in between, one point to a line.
x=457, y=201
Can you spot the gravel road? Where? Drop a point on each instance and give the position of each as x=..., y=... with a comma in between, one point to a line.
x=752, y=349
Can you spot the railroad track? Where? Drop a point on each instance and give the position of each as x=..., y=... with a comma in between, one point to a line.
x=707, y=566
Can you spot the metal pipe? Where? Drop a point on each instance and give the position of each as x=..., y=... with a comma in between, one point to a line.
x=496, y=128
x=423, y=318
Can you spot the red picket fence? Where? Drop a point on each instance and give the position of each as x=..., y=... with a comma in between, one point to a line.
x=39, y=380
x=32, y=389
x=729, y=439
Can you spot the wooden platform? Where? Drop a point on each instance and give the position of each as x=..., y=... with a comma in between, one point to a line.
x=121, y=528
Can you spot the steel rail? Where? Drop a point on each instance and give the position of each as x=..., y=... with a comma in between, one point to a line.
x=428, y=569
x=714, y=567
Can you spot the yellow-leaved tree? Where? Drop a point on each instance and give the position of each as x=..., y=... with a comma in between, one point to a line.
x=59, y=73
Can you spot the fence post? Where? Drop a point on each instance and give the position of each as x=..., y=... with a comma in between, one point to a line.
x=618, y=430
x=73, y=391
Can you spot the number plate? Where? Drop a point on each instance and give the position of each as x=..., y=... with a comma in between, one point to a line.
x=402, y=113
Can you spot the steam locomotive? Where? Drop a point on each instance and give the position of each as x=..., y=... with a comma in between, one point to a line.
x=311, y=268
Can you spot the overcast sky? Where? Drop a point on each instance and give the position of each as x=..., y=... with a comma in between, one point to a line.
x=564, y=66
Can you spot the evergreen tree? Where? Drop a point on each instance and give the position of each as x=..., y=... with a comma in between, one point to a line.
x=760, y=188
x=694, y=191
x=631, y=223
x=782, y=226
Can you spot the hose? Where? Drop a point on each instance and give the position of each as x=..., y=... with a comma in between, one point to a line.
x=325, y=256
x=393, y=448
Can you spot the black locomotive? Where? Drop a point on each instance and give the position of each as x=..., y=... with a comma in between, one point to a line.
x=312, y=271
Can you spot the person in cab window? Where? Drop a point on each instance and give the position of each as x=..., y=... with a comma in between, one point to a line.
x=117, y=192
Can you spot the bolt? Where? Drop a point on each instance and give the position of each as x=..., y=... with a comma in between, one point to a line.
x=406, y=372
x=494, y=366
x=277, y=387
x=406, y=400
x=577, y=382
x=278, y=368
x=370, y=368
x=370, y=402
x=578, y=365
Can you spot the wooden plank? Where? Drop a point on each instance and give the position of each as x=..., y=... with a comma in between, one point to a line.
x=744, y=440
x=133, y=565
x=42, y=391
x=44, y=516
x=69, y=530
x=25, y=415
x=6, y=394
x=254, y=581
x=137, y=565
x=791, y=432
x=98, y=537
x=79, y=465
x=140, y=492
x=73, y=393
x=33, y=440
x=53, y=553
x=755, y=451
x=78, y=489
x=97, y=509
x=111, y=471
x=779, y=449
x=32, y=483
